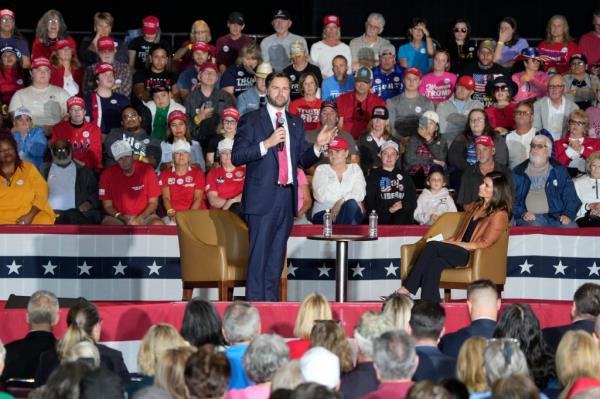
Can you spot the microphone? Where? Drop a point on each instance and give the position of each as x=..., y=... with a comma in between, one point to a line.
x=279, y=123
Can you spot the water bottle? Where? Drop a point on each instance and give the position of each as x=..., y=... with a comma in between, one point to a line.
x=373, y=224
x=327, y=226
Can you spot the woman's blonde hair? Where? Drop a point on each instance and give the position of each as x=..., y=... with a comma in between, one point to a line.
x=158, y=339
x=314, y=307
x=201, y=23
x=73, y=336
x=588, y=162
x=469, y=364
x=398, y=307
x=331, y=336
x=170, y=370
x=580, y=114
x=577, y=356
x=41, y=31
x=566, y=36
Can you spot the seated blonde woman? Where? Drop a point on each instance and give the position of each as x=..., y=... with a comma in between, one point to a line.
x=314, y=307
x=469, y=367
x=331, y=336
x=398, y=306
x=577, y=356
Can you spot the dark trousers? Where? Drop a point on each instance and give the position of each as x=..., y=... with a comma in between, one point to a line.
x=350, y=213
x=426, y=273
x=75, y=216
x=402, y=216
x=268, y=243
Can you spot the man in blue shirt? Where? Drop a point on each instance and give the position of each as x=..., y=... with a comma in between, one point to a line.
x=340, y=83
x=388, y=75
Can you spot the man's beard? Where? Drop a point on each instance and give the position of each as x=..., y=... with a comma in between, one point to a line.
x=274, y=102
x=538, y=160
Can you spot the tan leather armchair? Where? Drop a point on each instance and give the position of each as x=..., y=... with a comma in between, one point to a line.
x=488, y=263
x=213, y=248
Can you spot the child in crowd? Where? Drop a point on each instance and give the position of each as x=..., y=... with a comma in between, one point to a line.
x=435, y=200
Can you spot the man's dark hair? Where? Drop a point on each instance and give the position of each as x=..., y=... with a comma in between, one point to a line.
x=587, y=299
x=596, y=12
x=274, y=75
x=101, y=383
x=480, y=285
x=427, y=320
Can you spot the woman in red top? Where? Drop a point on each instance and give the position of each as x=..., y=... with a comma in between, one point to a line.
x=182, y=187
x=225, y=183
x=577, y=146
x=50, y=29
x=66, y=72
x=200, y=32
x=308, y=106
x=558, y=47
x=12, y=76
x=502, y=111
x=314, y=307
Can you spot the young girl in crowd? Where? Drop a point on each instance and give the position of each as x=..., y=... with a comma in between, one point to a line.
x=435, y=200
x=438, y=85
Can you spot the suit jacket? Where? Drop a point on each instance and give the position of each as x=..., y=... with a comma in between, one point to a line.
x=541, y=114
x=553, y=335
x=450, y=343
x=487, y=231
x=434, y=365
x=360, y=381
x=390, y=390
x=262, y=172
x=23, y=355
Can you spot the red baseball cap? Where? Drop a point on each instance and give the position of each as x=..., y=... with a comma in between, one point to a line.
x=40, y=62
x=8, y=12
x=466, y=81
x=201, y=46
x=485, y=140
x=176, y=115
x=413, y=71
x=104, y=67
x=150, y=25
x=105, y=43
x=231, y=112
x=75, y=102
x=62, y=43
x=338, y=143
x=331, y=19
x=208, y=65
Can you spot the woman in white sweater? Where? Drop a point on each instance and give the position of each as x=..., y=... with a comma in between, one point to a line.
x=588, y=191
x=435, y=200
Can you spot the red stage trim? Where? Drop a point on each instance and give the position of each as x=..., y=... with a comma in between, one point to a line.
x=129, y=321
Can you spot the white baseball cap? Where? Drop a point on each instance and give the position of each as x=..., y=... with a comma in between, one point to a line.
x=120, y=149
x=23, y=111
x=182, y=146
x=321, y=366
x=224, y=145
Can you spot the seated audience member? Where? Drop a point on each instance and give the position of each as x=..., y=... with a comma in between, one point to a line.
x=355, y=107
x=23, y=191
x=517, y=385
x=531, y=82
x=573, y=149
x=205, y=104
x=472, y=177
x=305, y=200
x=339, y=187
x=66, y=68
x=426, y=149
x=593, y=113
x=519, y=322
x=160, y=106
x=503, y=358
x=13, y=76
x=438, y=85
x=544, y=192
x=286, y=378
x=307, y=106
x=558, y=46
x=256, y=96
x=72, y=188
x=310, y=390
x=51, y=28
x=483, y=305
x=321, y=366
x=365, y=48
x=104, y=105
x=178, y=130
x=84, y=137
x=397, y=307
x=469, y=367
x=426, y=327
x=83, y=324
x=340, y=82
x=145, y=148
x=390, y=191
x=454, y=111
x=184, y=57
x=90, y=48
x=100, y=382
x=509, y=44
x=227, y=129
x=579, y=83
x=585, y=308
x=314, y=307
x=577, y=356
x=202, y=324
x=428, y=389
x=388, y=75
x=241, y=324
x=64, y=381
x=31, y=140
x=107, y=53
x=225, y=182
x=239, y=77
x=330, y=335
x=369, y=144
x=229, y=45
x=207, y=373
x=156, y=73
x=323, y=51
x=483, y=69
x=363, y=378
x=552, y=112
x=23, y=355
x=299, y=65
x=435, y=199
x=181, y=187
x=395, y=361
x=407, y=108
x=47, y=103
x=585, y=186
x=169, y=378
x=276, y=47
x=460, y=46
x=501, y=112
x=584, y=388
x=518, y=141
x=418, y=51
x=265, y=355
x=119, y=188
x=188, y=79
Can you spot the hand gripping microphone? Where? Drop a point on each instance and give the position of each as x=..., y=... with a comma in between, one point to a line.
x=279, y=123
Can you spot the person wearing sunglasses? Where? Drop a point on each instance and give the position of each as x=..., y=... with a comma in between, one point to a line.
x=579, y=83
x=573, y=149
x=51, y=28
x=501, y=113
x=531, y=82
x=10, y=36
x=460, y=46
x=544, y=192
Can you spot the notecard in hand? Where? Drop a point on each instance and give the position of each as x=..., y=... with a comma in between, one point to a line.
x=437, y=237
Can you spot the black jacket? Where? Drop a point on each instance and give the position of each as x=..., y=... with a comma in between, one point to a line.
x=23, y=355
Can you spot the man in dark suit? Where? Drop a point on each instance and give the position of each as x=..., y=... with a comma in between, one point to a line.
x=585, y=308
x=271, y=143
x=426, y=326
x=23, y=355
x=483, y=304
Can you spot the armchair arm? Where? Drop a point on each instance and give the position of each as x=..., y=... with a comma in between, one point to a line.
x=408, y=256
x=201, y=261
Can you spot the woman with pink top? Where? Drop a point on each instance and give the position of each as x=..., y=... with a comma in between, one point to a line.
x=531, y=82
x=438, y=85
